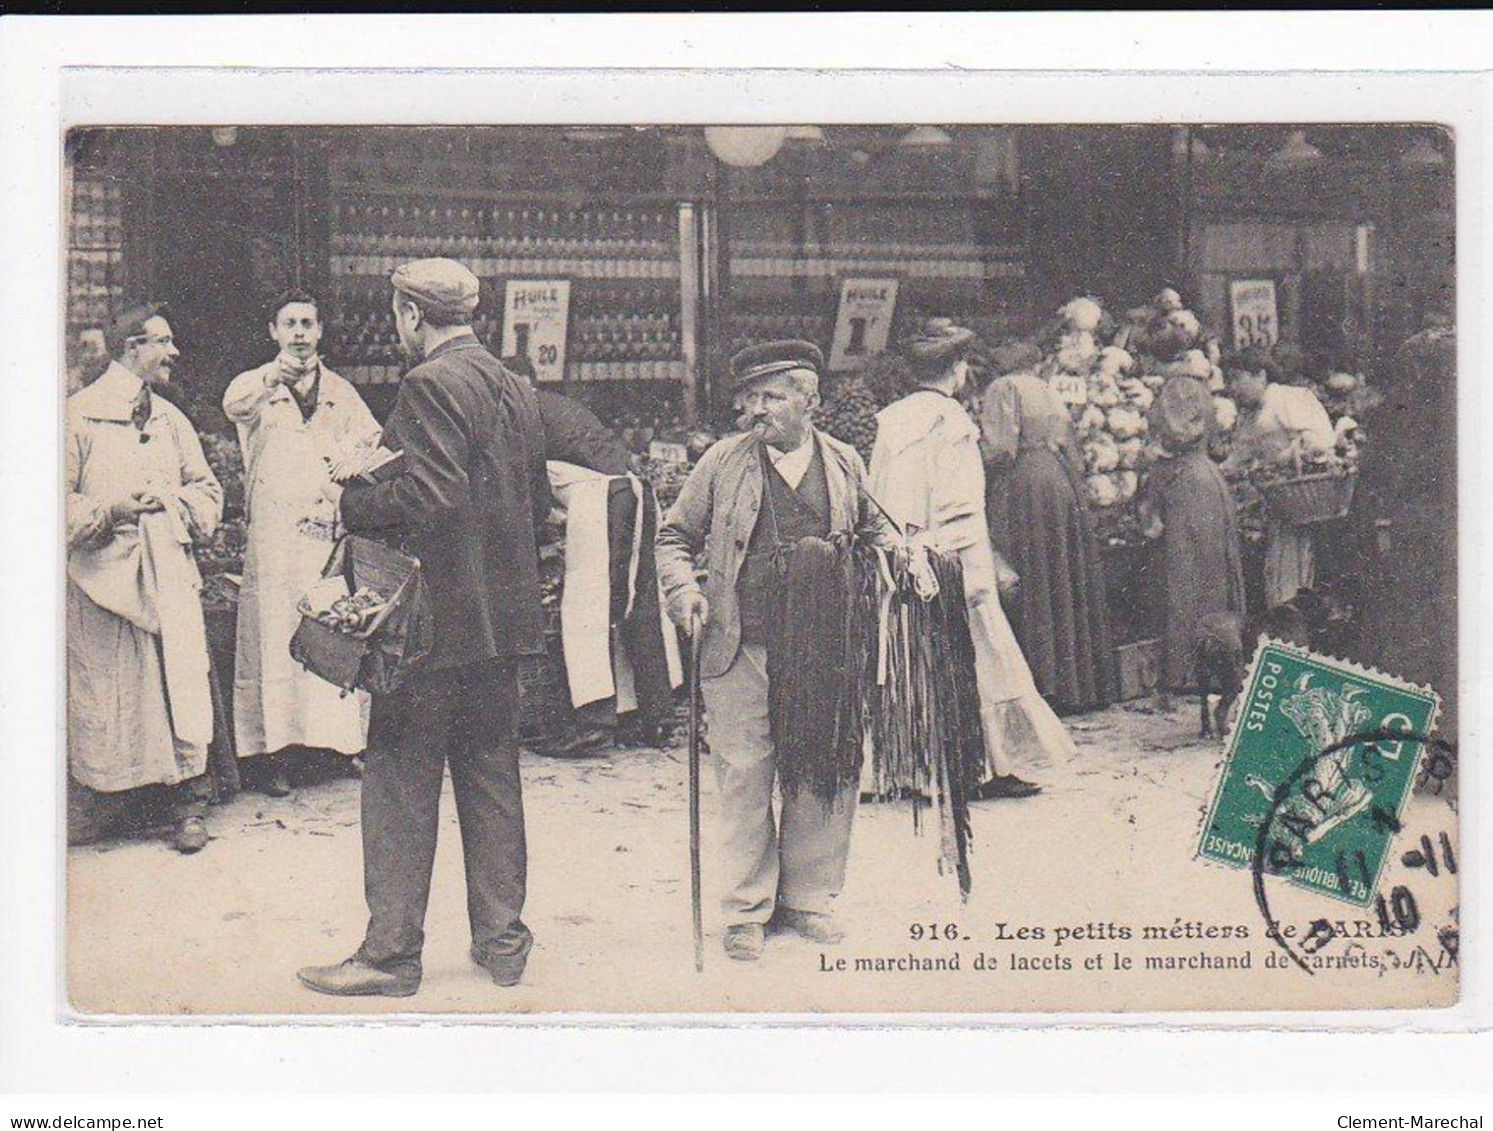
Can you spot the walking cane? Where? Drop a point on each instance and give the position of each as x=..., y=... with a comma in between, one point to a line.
x=694, y=790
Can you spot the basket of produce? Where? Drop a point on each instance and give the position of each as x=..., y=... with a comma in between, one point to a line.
x=367, y=623
x=1310, y=497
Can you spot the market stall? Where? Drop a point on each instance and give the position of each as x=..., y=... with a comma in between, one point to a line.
x=626, y=264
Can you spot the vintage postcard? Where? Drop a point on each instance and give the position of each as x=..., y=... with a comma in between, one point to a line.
x=911, y=568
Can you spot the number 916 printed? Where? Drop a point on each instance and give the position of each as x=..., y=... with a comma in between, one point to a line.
x=935, y=932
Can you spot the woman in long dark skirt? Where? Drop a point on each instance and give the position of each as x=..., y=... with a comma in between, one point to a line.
x=1040, y=523
x=1188, y=504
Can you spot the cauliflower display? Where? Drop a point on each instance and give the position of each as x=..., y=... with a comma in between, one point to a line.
x=1138, y=393
x=1092, y=419
x=1115, y=361
x=1101, y=453
x=1082, y=314
x=1132, y=453
x=1123, y=368
x=1125, y=423
x=1185, y=324
x=1077, y=350
x=1101, y=491
x=1167, y=301
x=1104, y=391
x=1197, y=365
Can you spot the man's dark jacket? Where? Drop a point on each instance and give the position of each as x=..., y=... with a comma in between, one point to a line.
x=468, y=503
x=574, y=434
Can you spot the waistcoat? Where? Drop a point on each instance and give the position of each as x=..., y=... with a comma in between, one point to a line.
x=801, y=513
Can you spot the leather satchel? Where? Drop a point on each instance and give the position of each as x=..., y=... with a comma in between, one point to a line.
x=380, y=656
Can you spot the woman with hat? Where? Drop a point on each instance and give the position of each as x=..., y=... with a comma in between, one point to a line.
x=1188, y=502
x=926, y=470
x=1039, y=519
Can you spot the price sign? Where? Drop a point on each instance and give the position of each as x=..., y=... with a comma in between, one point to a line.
x=536, y=314
x=1071, y=389
x=864, y=321
x=1256, y=321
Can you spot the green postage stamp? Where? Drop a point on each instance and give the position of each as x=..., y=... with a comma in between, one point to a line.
x=1318, y=768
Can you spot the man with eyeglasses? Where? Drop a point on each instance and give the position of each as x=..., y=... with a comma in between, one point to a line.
x=139, y=494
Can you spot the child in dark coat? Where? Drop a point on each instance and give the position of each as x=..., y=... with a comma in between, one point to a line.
x=1188, y=504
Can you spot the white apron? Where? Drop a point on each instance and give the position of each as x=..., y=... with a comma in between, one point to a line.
x=926, y=470
x=292, y=528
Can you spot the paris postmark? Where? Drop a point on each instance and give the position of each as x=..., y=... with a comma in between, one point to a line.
x=1319, y=764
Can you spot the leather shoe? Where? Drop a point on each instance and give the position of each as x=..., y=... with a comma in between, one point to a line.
x=357, y=978
x=506, y=970
x=1005, y=787
x=190, y=836
x=744, y=941
x=270, y=775
x=816, y=926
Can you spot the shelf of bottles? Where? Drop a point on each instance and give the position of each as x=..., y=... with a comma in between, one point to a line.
x=95, y=254
x=623, y=264
x=791, y=240
x=749, y=328
x=789, y=258
x=772, y=260
x=625, y=332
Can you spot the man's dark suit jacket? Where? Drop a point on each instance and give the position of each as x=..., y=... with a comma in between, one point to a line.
x=575, y=434
x=473, y=491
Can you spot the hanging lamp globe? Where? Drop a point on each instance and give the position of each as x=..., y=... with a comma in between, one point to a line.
x=925, y=137
x=807, y=135
x=745, y=147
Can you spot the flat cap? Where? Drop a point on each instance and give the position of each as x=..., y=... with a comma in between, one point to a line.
x=442, y=284
x=764, y=360
x=937, y=340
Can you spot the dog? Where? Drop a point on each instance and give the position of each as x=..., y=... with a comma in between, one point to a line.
x=1219, y=662
x=1324, y=619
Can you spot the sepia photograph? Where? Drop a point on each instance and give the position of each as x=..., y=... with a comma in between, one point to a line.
x=914, y=568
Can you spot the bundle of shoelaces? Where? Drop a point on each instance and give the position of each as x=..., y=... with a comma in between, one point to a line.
x=861, y=664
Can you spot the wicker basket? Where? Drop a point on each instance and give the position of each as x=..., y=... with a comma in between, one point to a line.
x=1305, y=499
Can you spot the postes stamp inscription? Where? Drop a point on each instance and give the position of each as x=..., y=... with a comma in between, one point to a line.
x=1320, y=762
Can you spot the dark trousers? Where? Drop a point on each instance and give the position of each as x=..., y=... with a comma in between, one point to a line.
x=464, y=717
x=642, y=632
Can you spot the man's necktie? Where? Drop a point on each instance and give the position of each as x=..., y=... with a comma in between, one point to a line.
x=140, y=412
x=305, y=401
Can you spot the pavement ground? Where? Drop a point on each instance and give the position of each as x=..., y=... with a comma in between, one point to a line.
x=1108, y=844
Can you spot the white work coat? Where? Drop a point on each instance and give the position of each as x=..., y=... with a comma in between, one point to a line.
x=292, y=527
x=139, y=710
